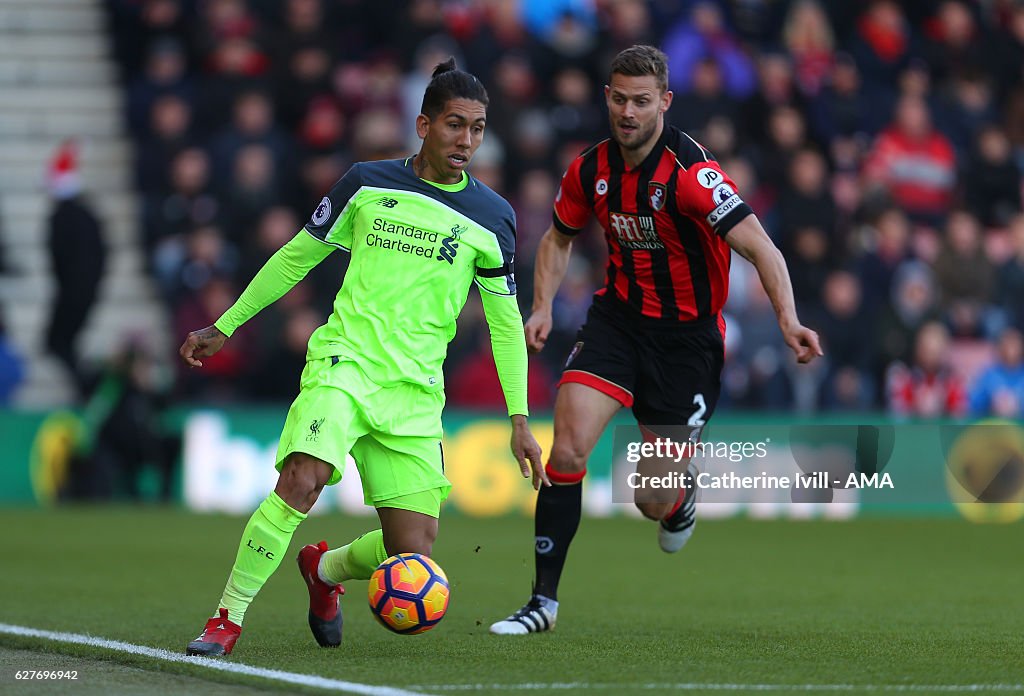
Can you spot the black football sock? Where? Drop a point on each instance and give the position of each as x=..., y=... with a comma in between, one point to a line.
x=555, y=524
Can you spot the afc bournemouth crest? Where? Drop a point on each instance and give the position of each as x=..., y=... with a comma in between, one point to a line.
x=657, y=194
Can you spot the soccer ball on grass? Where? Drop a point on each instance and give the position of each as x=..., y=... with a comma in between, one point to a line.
x=408, y=593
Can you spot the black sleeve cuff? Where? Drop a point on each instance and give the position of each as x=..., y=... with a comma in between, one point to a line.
x=562, y=227
x=735, y=217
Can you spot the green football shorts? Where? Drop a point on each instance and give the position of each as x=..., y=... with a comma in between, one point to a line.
x=393, y=434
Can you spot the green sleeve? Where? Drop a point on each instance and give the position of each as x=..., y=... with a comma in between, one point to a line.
x=282, y=271
x=508, y=343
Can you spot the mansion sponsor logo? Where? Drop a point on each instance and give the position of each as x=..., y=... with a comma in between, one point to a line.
x=635, y=231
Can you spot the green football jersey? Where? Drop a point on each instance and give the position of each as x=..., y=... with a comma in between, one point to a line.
x=416, y=248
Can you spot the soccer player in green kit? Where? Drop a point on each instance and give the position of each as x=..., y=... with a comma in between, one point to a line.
x=420, y=232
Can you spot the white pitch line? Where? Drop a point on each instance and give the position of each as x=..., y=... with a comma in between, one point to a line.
x=209, y=663
x=565, y=686
x=422, y=690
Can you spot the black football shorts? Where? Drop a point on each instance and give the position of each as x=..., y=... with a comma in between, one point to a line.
x=669, y=374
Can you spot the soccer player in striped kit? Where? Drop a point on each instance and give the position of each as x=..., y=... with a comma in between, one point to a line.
x=654, y=337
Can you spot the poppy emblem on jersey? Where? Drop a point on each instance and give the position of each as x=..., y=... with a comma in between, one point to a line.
x=656, y=194
x=574, y=352
x=709, y=178
x=601, y=187
x=322, y=213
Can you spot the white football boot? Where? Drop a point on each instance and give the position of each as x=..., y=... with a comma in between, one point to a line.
x=539, y=614
x=676, y=530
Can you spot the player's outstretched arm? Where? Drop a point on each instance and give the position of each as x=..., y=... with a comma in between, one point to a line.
x=201, y=344
x=549, y=270
x=279, y=274
x=750, y=240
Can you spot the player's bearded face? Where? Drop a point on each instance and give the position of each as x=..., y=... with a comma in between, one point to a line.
x=635, y=106
x=450, y=139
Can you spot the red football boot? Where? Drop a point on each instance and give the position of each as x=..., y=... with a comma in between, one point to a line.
x=218, y=638
x=324, y=612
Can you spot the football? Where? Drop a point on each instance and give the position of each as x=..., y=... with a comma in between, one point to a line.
x=408, y=593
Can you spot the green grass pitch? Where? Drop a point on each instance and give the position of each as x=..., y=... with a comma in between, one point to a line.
x=871, y=605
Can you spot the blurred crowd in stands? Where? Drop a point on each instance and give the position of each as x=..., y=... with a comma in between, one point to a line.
x=881, y=143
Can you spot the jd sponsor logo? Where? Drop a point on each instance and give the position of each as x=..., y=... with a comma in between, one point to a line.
x=709, y=178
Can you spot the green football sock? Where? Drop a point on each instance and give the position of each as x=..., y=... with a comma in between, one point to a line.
x=264, y=543
x=355, y=561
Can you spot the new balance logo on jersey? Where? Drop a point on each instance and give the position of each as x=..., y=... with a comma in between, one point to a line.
x=387, y=202
x=450, y=245
x=314, y=430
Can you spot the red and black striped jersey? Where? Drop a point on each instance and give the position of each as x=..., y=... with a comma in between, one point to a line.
x=665, y=222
